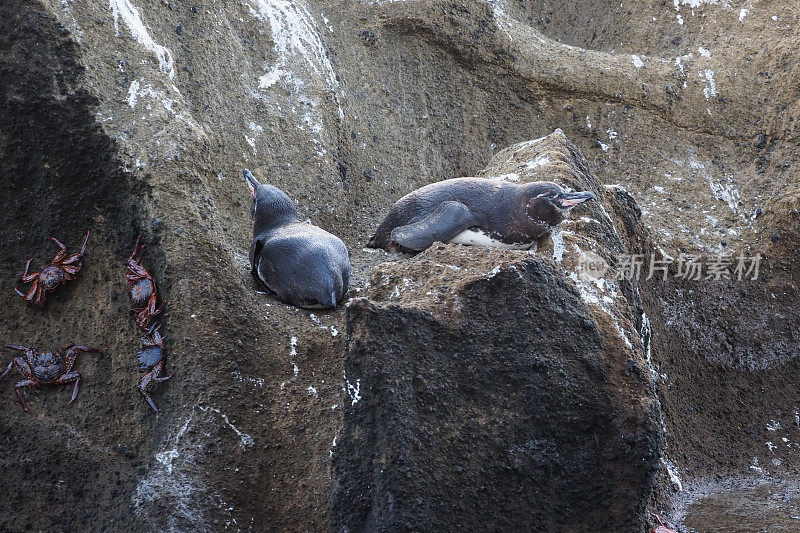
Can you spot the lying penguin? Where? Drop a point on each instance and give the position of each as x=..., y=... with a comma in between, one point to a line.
x=476, y=211
x=303, y=265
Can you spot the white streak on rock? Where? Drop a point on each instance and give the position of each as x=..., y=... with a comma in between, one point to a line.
x=540, y=161
x=327, y=22
x=694, y=3
x=558, y=244
x=727, y=192
x=301, y=55
x=637, y=61
x=353, y=391
x=246, y=440
x=133, y=94
x=673, y=474
x=172, y=480
x=710, y=89
x=270, y=78
x=123, y=9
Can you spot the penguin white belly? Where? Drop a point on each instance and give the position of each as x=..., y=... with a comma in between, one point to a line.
x=474, y=237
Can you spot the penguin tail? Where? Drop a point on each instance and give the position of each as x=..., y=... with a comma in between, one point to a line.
x=372, y=242
x=327, y=301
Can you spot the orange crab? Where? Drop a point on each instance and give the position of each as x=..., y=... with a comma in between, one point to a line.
x=62, y=268
x=142, y=289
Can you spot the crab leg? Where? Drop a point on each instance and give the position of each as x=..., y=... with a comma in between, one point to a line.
x=83, y=248
x=149, y=313
x=136, y=271
x=61, y=253
x=136, y=250
x=28, y=351
x=76, y=257
x=71, y=353
x=27, y=278
x=24, y=368
x=18, y=389
x=8, y=368
x=152, y=377
x=71, y=376
x=35, y=294
x=32, y=290
x=22, y=365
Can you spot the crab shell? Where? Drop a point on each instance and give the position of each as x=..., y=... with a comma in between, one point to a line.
x=47, y=367
x=149, y=357
x=140, y=292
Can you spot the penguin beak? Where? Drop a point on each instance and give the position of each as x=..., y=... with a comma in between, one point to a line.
x=252, y=182
x=568, y=200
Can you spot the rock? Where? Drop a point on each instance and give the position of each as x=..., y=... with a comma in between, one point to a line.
x=113, y=121
x=493, y=389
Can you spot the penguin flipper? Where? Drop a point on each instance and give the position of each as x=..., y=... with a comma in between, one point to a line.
x=255, y=264
x=447, y=221
x=255, y=253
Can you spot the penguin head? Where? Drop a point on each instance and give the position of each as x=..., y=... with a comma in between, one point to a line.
x=550, y=203
x=269, y=206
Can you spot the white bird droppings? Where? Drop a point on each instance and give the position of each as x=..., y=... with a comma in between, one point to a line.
x=710, y=89
x=123, y=9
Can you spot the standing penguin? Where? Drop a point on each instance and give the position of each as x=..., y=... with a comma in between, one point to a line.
x=303, y=265
x=475, y=211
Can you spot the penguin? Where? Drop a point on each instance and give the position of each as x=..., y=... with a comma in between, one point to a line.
x=476, y=211
x=302, y=264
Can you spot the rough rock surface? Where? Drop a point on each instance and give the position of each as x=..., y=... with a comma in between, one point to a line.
x=498, y=389
x=136, y=116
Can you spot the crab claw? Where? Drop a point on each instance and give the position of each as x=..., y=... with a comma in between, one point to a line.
x=83, y=248
x=151, y=402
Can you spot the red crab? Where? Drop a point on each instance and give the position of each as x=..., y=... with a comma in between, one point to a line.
x=142, y=290
x=151, y=360
x=661, y=528
x=46, y=368
x=61, y=268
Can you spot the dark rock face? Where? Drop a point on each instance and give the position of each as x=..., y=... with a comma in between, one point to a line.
x=507, y=419
x=58, y=178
